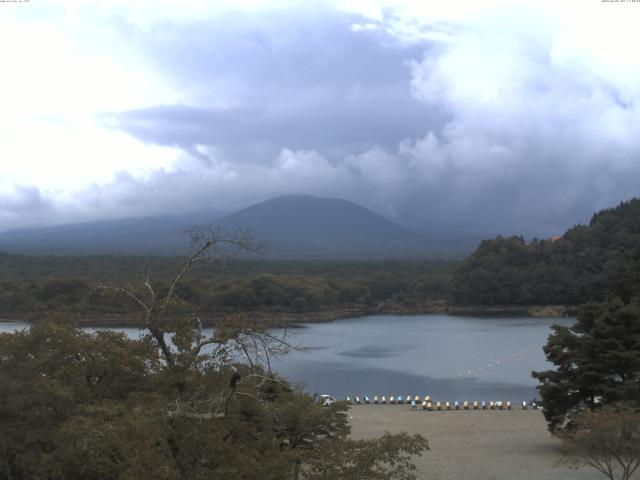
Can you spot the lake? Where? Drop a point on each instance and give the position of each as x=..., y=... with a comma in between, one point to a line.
x=448, y=357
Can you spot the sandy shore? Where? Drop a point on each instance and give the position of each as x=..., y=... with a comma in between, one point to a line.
x=473, y=445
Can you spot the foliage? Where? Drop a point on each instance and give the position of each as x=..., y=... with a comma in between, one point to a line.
x=32, y=287
x=386, y=458
x=597, y=361
x=608, y=439
x=60, y=421
x=174, y=404
x=48, y=374
x=582, y=265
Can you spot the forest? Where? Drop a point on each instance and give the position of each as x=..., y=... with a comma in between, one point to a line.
x=584, y=264
x=33, y=286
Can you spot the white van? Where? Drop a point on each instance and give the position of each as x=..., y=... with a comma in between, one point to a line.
x=326, y=400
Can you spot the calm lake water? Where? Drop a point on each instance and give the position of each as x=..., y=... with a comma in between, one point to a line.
x=448, y=357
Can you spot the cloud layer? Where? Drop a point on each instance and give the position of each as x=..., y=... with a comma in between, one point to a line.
x=510, y=120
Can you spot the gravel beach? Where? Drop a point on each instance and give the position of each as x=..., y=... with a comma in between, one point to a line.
x=473, y=445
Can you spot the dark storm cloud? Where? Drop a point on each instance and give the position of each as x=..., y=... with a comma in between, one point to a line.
x=301, y=80
x=483, y=132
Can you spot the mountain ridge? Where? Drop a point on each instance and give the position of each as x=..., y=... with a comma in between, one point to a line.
x=295, y=226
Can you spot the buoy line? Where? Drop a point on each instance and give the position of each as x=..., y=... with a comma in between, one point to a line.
x=496, y=363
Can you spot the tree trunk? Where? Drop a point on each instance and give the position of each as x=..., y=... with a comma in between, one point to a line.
x=228, y=401
x=296, y=469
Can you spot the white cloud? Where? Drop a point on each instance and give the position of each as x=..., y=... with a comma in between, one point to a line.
x=59, y=156
x=541, y=101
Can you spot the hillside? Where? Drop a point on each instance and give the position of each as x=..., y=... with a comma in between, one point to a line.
x=301, y=226
x=294, y=227
x=311, y=220
x=161, y=235
x=584, y=264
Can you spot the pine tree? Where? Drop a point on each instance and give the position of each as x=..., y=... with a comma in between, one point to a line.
x=597, y=360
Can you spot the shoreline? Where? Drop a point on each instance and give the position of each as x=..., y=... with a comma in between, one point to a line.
x=291, y=320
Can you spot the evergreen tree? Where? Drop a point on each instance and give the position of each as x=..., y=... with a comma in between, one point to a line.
x=597, y=361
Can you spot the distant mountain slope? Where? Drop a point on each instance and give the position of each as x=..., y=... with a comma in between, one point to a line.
x=583, y=264
x=306, y=219
x=162, y=235
x=297, y=226
x=310, y=227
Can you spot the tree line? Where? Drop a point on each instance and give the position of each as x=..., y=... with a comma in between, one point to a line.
x=585, y=264
x=33, y=287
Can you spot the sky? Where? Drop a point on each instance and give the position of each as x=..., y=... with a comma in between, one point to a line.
x=492, y=117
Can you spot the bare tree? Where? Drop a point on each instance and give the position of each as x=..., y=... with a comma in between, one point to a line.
x=607, y=439
x=176, y=328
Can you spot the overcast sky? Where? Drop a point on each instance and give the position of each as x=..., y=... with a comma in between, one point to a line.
x=491, y=117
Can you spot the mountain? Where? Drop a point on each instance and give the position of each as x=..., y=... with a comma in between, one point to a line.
x=302, y=226
x=297, y=226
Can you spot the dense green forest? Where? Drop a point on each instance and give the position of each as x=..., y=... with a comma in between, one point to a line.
x=582, y=265
x=31, y=286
